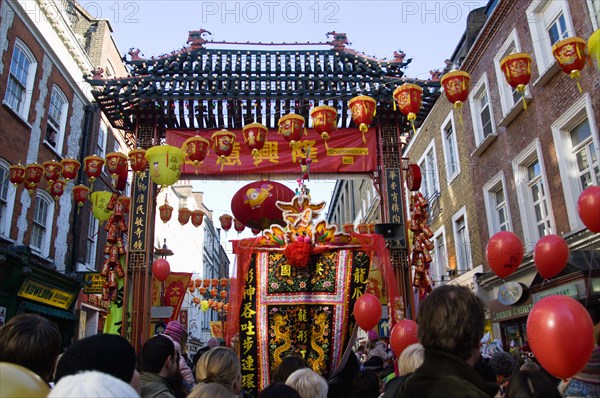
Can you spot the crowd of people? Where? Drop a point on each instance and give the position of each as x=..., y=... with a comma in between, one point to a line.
x=446, y=362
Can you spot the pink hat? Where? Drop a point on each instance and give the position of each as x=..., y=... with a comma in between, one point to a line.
x=372, y=334
x=174, y=330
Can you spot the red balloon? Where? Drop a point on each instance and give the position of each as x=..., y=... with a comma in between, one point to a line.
x=367, y=311
x=161, y=269
x=550, y=255
x=588, y=207
x=560, y=334
x=254, y=204
x=504, y=252
x=403, y=334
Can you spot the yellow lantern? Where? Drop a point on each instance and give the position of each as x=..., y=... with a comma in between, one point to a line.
x=594, y=47
x=100, y=200
x=165, y=164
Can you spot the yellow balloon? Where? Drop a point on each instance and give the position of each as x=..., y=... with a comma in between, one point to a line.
x=165, y=164
x=594, y=47
x=21, y=382
x=100, y=201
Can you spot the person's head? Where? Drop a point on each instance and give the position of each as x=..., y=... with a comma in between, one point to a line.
x=212, y=342
x=503, y=363
x=174, y=330
x=106, y=353
x=410, y=359
x=159, y=356
x=211, y=390
x=288, y=366
x=31, y=341
x=308, y=383
x=365, y=385
x=92, y=384
x=451, y=319
x=531, y=384
x=278, y=390
x=220, y=365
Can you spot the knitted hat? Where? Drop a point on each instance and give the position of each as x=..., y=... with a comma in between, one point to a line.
x=503, y=363
x=92, y=385
x=174, y=330
x=108, y=353
x=212, y=342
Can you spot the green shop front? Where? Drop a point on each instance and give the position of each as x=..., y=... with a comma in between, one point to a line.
x=29, y=286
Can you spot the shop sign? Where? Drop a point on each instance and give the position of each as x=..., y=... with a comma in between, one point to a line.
x=97, y=301
x=575, y=290
x=93, y=283
x=513, y=312
x=45, y=294
x=510, y=293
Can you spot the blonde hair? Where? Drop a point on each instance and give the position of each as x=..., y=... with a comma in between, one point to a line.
x=410, y=359
x=211, y=390
x=308, y=383
x=219, y=365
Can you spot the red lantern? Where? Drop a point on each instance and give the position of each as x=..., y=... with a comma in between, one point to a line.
x=116, y=164
x=504, y=253
x=255, y=136
x=196, y=149
x=137, y=160
x=456, y=87
x=324, y=119
x=571, y=55
x=52, y=170
x=291, y=126
x=363, y=110
x=560, y=334
x=161, y=269
x=165, y=212
x=57, y=188
x=223, y=282
x=33, y=176
x=348, y=228
x=80, y=194
x=409, y=97
x=362, y=228
x=588, y=208
x=70, y=168
x=125, y=203
x=184, y=215
x=197, y=217
x=403, y=334
x=206, y=283
x=367, y=311
x=517, y=71
x=255, y=231
x=17, y=174
x=92, y=165
x=226, y=221
x=238, y=226
x=223, y=294
x=413, y=177
x=550, y=255
x=223, y=141
x=254, y=204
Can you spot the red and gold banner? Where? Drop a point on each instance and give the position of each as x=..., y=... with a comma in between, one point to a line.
x=175, y=287
x=346, y=153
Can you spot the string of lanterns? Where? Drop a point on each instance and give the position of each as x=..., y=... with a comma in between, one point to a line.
x=210, y=294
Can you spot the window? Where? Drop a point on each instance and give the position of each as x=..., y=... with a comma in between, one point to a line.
x=20, y=80
x=594, y=8
x=438, y=268
x=508, y=95
x=101, y=144
x=7, y=199
x=42, y=223
x=429, y=178
x=575, y=135
x=496, y=204
x=549, y=22
x=450, y=148
x=57, y=119
x=533, y=199
x=91, y=245
x=461, y=241
x=481, y=111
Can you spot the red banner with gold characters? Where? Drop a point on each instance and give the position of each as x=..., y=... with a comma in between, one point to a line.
x=174, y=290
x=345, y=153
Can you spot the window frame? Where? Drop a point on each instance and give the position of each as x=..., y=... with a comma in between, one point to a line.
x=44, y=250
x=62, y=123
x=436, y=255
x=449, y=122
x=11, y=195
x=594, y=9
x=102, y=136
x=23, y=113
x=92, y=240
x=560, y=134
x=475, y=105
x=435, y=185
x=489, y=190
x=462, y=214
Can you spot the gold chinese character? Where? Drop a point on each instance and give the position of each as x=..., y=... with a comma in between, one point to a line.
x=286, y=270
x=248, y=364
x=249, y=292
x=302, y=315
x=359, y=275
x=248, y=381
x=247, y=344
x=248, y=328
x=248, y=312
x=357, y=293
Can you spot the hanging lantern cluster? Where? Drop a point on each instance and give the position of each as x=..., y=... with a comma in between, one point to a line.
x=223, y=142
x=103, y=204
x=115, y=228
x=165, y=163
x=238, y=226
x=517, y=71
x=92, y=165
x=209, y=293
x=184, y=215
x=363, y=110
x=324, y=119
x=291, y=127
x=226, y=222
x=255, y=136
x=33, y=176
x=571, y=55
x=80, y=194
x=408, y=97
x=420, y=257
x=456, y=88
x=196, y=149
x=197, y=217
x=17, y=173
x=70, y=168
x=116, y=165
x=137, y=160
x=165, y=211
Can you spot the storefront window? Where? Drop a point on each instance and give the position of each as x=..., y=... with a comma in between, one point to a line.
x=513, y=337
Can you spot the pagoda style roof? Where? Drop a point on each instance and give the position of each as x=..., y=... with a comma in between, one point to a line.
x=203, y=88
